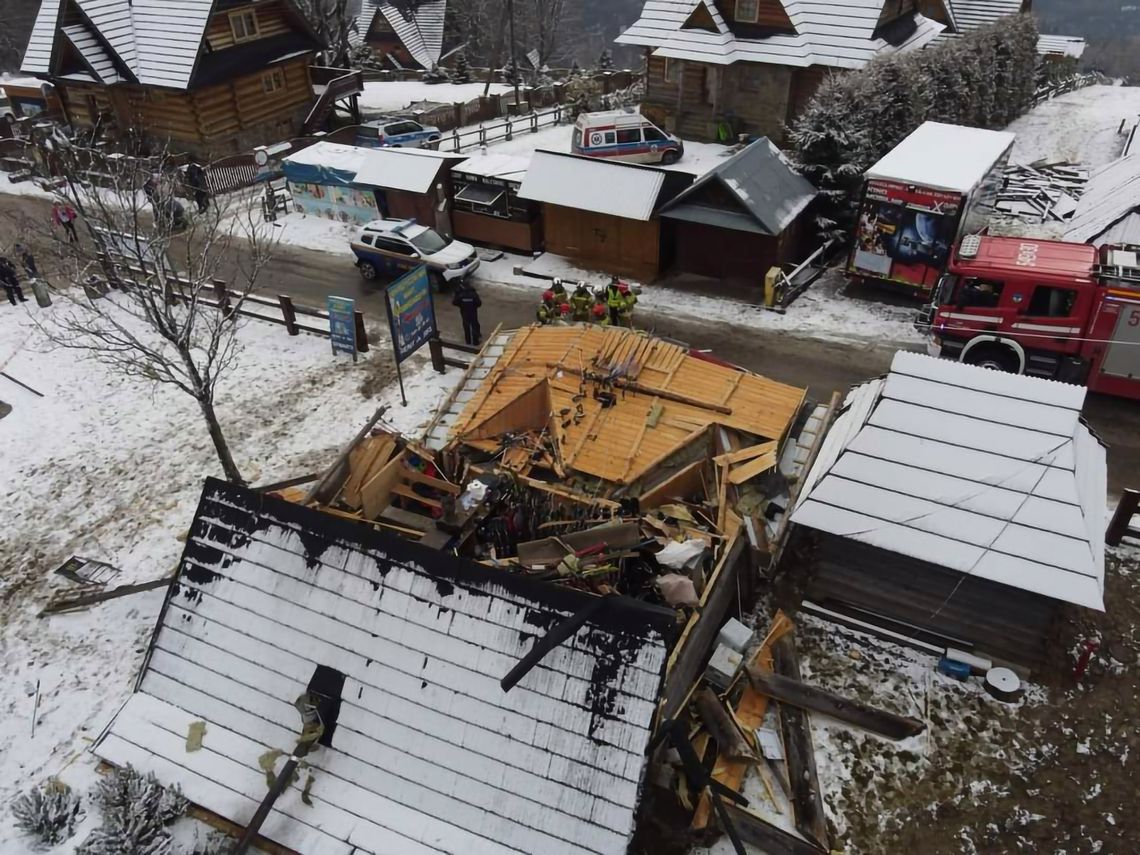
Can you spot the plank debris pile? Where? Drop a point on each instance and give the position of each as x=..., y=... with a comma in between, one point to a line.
x=1042, y=192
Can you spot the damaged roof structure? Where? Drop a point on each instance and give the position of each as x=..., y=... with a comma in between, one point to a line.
x=959, y=504
x=425, y=752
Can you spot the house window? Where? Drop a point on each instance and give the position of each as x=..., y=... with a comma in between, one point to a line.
x=632, y=135
x=1050, y=302
x=244, y=25
x=748, y=11
x=273, y=80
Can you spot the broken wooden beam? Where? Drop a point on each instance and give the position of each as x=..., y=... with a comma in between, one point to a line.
x=758, y=832
x=67, y=604
x=799, y=753
x=791, y=691
x=730, y=740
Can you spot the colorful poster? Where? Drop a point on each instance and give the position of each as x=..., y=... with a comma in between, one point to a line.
x=342, y=325
x=411, y=312
x=343, y=204
x=905, y=233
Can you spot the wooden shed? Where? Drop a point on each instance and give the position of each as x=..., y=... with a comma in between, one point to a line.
x=487, y=208
x=959, y=506
x=743, y=217
x=410, y=183
x=601, y=214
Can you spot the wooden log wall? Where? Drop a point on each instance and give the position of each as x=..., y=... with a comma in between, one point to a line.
x=271, y=21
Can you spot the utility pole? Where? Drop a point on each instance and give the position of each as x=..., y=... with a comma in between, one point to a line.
x=514, y=62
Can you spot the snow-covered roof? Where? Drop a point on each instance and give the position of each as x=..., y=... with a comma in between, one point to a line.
x=509, y=167
x=1070, y=46
x=989, y=474
x=589, y=184
x=1111, y=195
x=428, y=754
x=833, y=34
x=400, y=169
x=420, y=29
x=948, y=157
x=155, y=42
x=330, y=155
x=763, y=183
x=972, y=14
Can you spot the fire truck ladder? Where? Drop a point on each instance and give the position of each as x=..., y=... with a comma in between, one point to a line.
x=1122, y=265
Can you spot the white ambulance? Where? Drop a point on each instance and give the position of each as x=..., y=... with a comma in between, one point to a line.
x=624, y=135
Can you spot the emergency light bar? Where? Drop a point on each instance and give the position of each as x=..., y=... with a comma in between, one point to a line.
x=970, y=247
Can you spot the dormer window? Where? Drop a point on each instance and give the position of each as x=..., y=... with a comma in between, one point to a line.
x=748, y=11
x=244, y=25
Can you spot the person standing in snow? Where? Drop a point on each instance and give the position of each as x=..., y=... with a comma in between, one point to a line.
x=11, y=281
x=62, y=214
x=196, y=181
x=629, y=300
x=615, y=300
x=581, y=301
x=26, y=259
x=468, y=301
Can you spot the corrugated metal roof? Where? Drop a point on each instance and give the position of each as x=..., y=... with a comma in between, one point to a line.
x=395, y=169
x=509, y=167
x=1126, y=230
x=838, y=35
x=949, y=157
x=1111, y=194
x=1071, y=46
x=37, y=56
x=93, y=53
x=993, y=475
x=972, y=14
x=761, y=179
x=588, y=184
x=429, y=755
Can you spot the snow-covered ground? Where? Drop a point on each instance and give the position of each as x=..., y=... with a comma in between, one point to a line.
x=1080, y=126
x=392, y=96
x=110, y=468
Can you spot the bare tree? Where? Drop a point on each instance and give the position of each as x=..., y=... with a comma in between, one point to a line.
x=166, y=317
x=334, y=24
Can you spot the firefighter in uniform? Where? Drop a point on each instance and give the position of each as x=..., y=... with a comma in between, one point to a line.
x=615, y=300
x=548, y=310
x=559, y=289
x=580, y=302
x=600, y=316
x=629, y=300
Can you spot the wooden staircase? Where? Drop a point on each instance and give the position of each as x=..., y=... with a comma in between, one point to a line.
x=338, y=84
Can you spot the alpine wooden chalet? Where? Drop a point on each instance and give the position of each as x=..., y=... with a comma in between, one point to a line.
x=208, y=76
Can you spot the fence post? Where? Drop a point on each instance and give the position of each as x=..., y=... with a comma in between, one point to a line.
x=510, y=130
x=288, y=313
x=435, y=346
x=482, y=135
x=223, y=296
x=361, y=332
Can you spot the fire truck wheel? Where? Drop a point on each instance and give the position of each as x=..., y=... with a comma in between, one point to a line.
x=995, y=356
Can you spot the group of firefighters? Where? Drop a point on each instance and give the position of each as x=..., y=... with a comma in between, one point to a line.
x=611, y=306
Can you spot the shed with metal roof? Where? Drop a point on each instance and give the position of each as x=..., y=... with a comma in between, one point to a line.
x=601, y=214
x=959, y=505
x=741, y=218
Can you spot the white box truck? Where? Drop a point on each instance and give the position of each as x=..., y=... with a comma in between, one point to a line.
x=938, y=184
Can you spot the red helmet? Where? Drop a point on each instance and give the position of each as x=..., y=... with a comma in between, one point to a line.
x=547, y=296
x=599, y=310
x=623, y=288
x=565, y=308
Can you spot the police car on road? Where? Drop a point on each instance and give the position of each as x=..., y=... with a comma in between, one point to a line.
x=398, y=245
x=396, y=133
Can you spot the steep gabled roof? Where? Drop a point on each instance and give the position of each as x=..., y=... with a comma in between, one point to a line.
x=419, y=29
x=760, y=180
x=1112, y=195
x=972, y=14
x=837, y=35
x=989, y=474
x=152, y=42
x=428, y=754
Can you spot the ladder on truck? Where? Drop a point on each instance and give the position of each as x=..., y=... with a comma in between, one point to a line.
x=1119, y=264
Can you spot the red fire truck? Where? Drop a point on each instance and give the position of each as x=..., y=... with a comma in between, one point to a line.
x=1065, y=311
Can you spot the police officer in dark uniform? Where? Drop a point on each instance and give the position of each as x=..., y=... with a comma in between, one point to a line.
x=468, y=301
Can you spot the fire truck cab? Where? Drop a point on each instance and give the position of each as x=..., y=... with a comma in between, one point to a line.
x=1065, y=311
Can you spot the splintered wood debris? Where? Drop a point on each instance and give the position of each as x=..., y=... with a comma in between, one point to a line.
x=1042, y=192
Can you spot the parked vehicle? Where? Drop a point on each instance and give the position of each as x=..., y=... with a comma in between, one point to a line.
x=624, y=135
x=397, y=133
x=398, y=245
x=937, y=185
x=1064, y=311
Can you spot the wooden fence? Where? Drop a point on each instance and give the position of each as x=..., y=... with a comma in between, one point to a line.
x=1062, y=87
x=1121, y=525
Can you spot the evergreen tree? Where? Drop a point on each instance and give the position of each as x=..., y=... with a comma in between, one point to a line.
x=48, y=813
x=462, y=69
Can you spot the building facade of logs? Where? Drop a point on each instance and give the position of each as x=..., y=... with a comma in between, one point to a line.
x=211, y=78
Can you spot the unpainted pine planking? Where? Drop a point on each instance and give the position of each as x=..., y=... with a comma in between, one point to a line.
x=376, y=494
x=408, y=493
x=360, y=461
x=491, y=380
x=635, y=448
x=752, y=468
x=681, y=483
x=744, y=454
